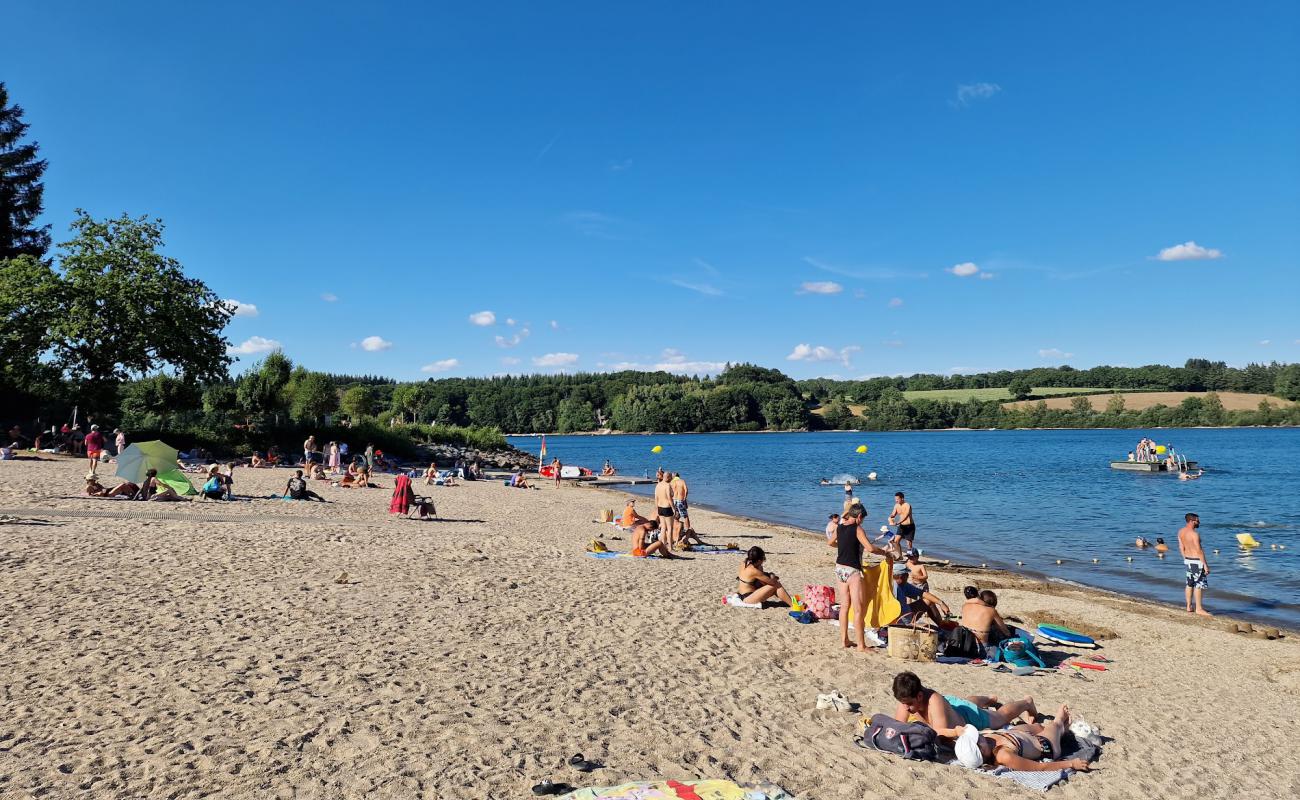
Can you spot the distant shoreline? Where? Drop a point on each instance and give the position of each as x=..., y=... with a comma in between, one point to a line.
x=907, y=430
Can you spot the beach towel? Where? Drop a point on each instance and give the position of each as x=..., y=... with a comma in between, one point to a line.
x=681, y=790
x=882, y=606
x=734, y=601
x=611, y=554
x=403, y=494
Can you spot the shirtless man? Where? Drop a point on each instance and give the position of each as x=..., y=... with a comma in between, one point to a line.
x=1198, y=569
x=647, y=541
x=983, y=619
x=664, y=506
x=949, y=714
x=902, y=517
x=679, y=492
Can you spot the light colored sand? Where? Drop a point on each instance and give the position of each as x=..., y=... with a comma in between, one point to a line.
x=157, y=658
x=1137, y=401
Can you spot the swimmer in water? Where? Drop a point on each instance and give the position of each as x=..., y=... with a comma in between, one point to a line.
x=1161, y=547
x=1142, y=543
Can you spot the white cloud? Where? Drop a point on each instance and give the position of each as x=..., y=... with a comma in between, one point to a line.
x=242, y=309
x=556, y=360
x=893, y=343
x=1053, y=352
x=619, y=166
x=702, y=288
x=330, y=297
x=1188, y=251
x=896, y=302
x=509, y=361
x=441, y=366
x=986, y=276
x=483, y=318
x=675, y=361
x=820, y=287
x=555, y=326
x=806, y=352
x=964, y=269
x=512, y=341
x=968, y=93
x=254, y=345
x=374, y=344
x=1265, y=342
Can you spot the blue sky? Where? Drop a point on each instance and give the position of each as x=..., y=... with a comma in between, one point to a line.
x=841, y=189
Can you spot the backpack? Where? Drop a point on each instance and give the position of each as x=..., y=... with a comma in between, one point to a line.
x=915, y=741
x=963, y=644
x=1019, y=651
x=819, y=600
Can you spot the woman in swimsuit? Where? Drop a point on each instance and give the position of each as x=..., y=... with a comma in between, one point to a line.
x=756, y=585
x=1022, y=747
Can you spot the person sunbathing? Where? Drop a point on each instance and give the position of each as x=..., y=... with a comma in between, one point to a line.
x=431, y=474
x=318, y=473
x=647, y=542
x=256, y=461
x=1027, y=748
x=949, y=714
x=155, y=490
x=756, y=584
x=981, y=616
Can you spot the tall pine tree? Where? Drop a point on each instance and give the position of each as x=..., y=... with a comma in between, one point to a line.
x=21, y=190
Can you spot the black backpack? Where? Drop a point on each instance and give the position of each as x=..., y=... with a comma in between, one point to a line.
x=911, y=740
x=963, y=644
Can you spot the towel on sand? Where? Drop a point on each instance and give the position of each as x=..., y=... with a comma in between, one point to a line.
x=1040, y=781
x=680, y=790
x=734, y=601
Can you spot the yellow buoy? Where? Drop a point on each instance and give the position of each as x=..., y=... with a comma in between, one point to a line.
x=862, y=448
x=1161, y=449
x=657, y=448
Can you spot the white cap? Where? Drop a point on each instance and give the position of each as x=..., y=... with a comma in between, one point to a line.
x=968, y=748
x=884, y=529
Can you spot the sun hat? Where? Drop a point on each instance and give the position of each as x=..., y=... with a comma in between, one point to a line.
x=968, y=748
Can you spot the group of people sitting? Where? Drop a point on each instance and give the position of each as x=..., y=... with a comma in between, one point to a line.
x=151, y=488
x=982, y=732
x=658, y=535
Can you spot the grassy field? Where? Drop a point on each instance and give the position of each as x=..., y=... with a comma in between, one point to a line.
x=1136, y=401
x=962, y=395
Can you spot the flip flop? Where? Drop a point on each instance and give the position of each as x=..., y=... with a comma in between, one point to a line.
x=546, y=787
x=581, y=764
x=1100, y=659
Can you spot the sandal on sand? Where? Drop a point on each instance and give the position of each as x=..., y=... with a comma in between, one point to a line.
x=546, y=787
x=581, y=764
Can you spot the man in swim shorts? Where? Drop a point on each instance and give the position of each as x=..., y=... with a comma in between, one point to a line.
x=948, y=714
x=664, y=507
x=679, y=492
x=1198, y=569
x=902, y=517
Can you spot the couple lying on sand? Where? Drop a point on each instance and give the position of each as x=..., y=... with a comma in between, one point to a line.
x=975, y=727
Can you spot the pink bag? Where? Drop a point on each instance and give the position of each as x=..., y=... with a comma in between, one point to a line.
x=819, y=600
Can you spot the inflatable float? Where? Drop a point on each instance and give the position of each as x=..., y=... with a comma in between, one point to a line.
x=1246, y=540
x=548, y=471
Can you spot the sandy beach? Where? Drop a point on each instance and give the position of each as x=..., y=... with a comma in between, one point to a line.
x=188, y=650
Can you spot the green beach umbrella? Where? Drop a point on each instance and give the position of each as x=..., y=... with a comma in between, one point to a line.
x=139, y=458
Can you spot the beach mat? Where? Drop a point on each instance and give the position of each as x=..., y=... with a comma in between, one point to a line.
x=680, y=790
x=609, y=554
x=1038, y=781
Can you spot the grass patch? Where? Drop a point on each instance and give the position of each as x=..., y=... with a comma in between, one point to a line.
x=962, y=395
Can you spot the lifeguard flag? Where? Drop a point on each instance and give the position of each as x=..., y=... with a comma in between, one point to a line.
x=543, y=453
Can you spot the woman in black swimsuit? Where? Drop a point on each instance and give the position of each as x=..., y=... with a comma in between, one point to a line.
x=757, y=585
x=1020, y=747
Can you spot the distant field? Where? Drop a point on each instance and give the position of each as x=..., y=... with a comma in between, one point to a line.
x=1136, y=401
x=963, y=395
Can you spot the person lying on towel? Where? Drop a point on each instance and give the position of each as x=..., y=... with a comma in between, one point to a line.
x=1030, y=748
x=949, y=714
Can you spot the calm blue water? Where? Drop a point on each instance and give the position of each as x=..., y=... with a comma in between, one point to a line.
x=998, y=497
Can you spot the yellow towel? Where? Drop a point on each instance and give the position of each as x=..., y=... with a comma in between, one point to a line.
x=882, y=606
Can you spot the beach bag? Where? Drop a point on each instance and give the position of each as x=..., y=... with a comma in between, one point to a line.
x=607, y=515
x=914, y=741
x=912, y=644
x=963, y=644
x=818, y=600
x=1019, y=652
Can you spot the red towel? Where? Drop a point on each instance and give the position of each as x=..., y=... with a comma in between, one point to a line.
x=403, y=494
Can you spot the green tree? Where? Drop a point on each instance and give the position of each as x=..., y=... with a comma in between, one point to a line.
x=1115, y=405
x=260, y=391
x=1081, y=407
x=312, y=396
x=358, y=401
x=1020, y=388
x=409, y=398
x=29, y=305
x=574, y=415
x=1212, y=411
x=21, y=190
x=837, y=416
x=1288, y=382
x=157, y=397
x=129, y=310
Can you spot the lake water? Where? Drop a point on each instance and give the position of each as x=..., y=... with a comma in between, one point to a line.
x=999, y=497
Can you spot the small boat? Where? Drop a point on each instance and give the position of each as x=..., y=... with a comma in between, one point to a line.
x=567, y=471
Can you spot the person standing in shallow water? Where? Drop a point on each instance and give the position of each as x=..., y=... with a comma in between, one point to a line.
x=1198, y=569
